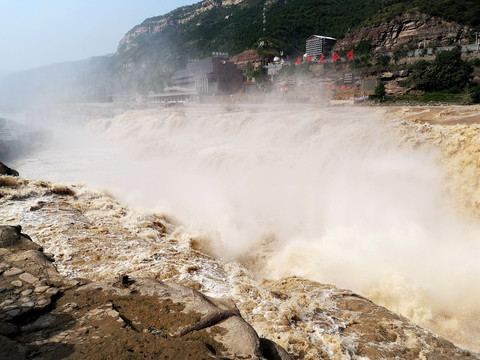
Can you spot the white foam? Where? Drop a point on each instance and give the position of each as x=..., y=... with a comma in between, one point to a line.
x=343, y=200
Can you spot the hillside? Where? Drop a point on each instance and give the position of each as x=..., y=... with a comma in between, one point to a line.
x=85, y=80
x=149, y=53
x=408, y=31
x=466, y=12
x=161, y=44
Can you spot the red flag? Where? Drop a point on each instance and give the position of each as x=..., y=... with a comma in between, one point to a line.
x=299, y=61
x=309, y=58
x=335, y=56
x=350, y=55
x=322, y=59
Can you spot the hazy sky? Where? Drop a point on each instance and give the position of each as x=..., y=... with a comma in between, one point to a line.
x=40, y=32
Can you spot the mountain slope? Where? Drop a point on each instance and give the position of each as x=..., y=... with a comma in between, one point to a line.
x=162, y=44
x=149, y=54
x=465, y=12
x=85, y=80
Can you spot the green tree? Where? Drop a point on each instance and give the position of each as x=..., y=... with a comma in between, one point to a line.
x=447, y=72
x=380, y=91
x=475, y=94
x=418, y=74
x=450, y=71
x=260, y=75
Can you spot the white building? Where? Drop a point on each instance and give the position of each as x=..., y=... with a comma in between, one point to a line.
x=318, y=45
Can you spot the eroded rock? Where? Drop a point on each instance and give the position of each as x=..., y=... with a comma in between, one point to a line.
x=420, y=29
x=45, y=315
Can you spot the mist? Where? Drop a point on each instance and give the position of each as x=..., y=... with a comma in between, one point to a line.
x=326, y=193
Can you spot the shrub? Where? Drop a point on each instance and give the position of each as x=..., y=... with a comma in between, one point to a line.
x=364, y=47
x=382, y=59
x=475, y=62
x=380, y=91
x=475, y=94
x=447, y=72
x=399, y=53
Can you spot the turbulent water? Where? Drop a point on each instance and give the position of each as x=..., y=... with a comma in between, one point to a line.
x=337, y=195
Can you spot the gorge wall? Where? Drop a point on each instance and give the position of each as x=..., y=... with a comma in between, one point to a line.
x=417, y=29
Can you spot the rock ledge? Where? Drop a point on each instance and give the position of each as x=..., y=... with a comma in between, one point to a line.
x=46, y=315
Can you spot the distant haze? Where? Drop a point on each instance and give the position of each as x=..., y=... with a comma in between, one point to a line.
x=35, y=33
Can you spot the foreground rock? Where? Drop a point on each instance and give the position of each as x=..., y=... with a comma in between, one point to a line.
x=5, y=170
x=45, y=315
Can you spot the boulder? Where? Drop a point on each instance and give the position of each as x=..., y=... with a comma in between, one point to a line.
x=237, y=336
x=11, y=349
x=5, y=170
x=271, y=350
x=212, y=327
x=11, y=237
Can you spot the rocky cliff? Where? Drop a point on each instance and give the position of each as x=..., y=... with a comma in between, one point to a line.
x=417, y=29
x=181, y=15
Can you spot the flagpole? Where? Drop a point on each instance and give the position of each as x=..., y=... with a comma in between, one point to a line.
x=352, y=57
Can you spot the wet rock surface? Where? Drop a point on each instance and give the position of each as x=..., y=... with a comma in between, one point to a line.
x=368, y=331
x=44, y=315
x=5, y=170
